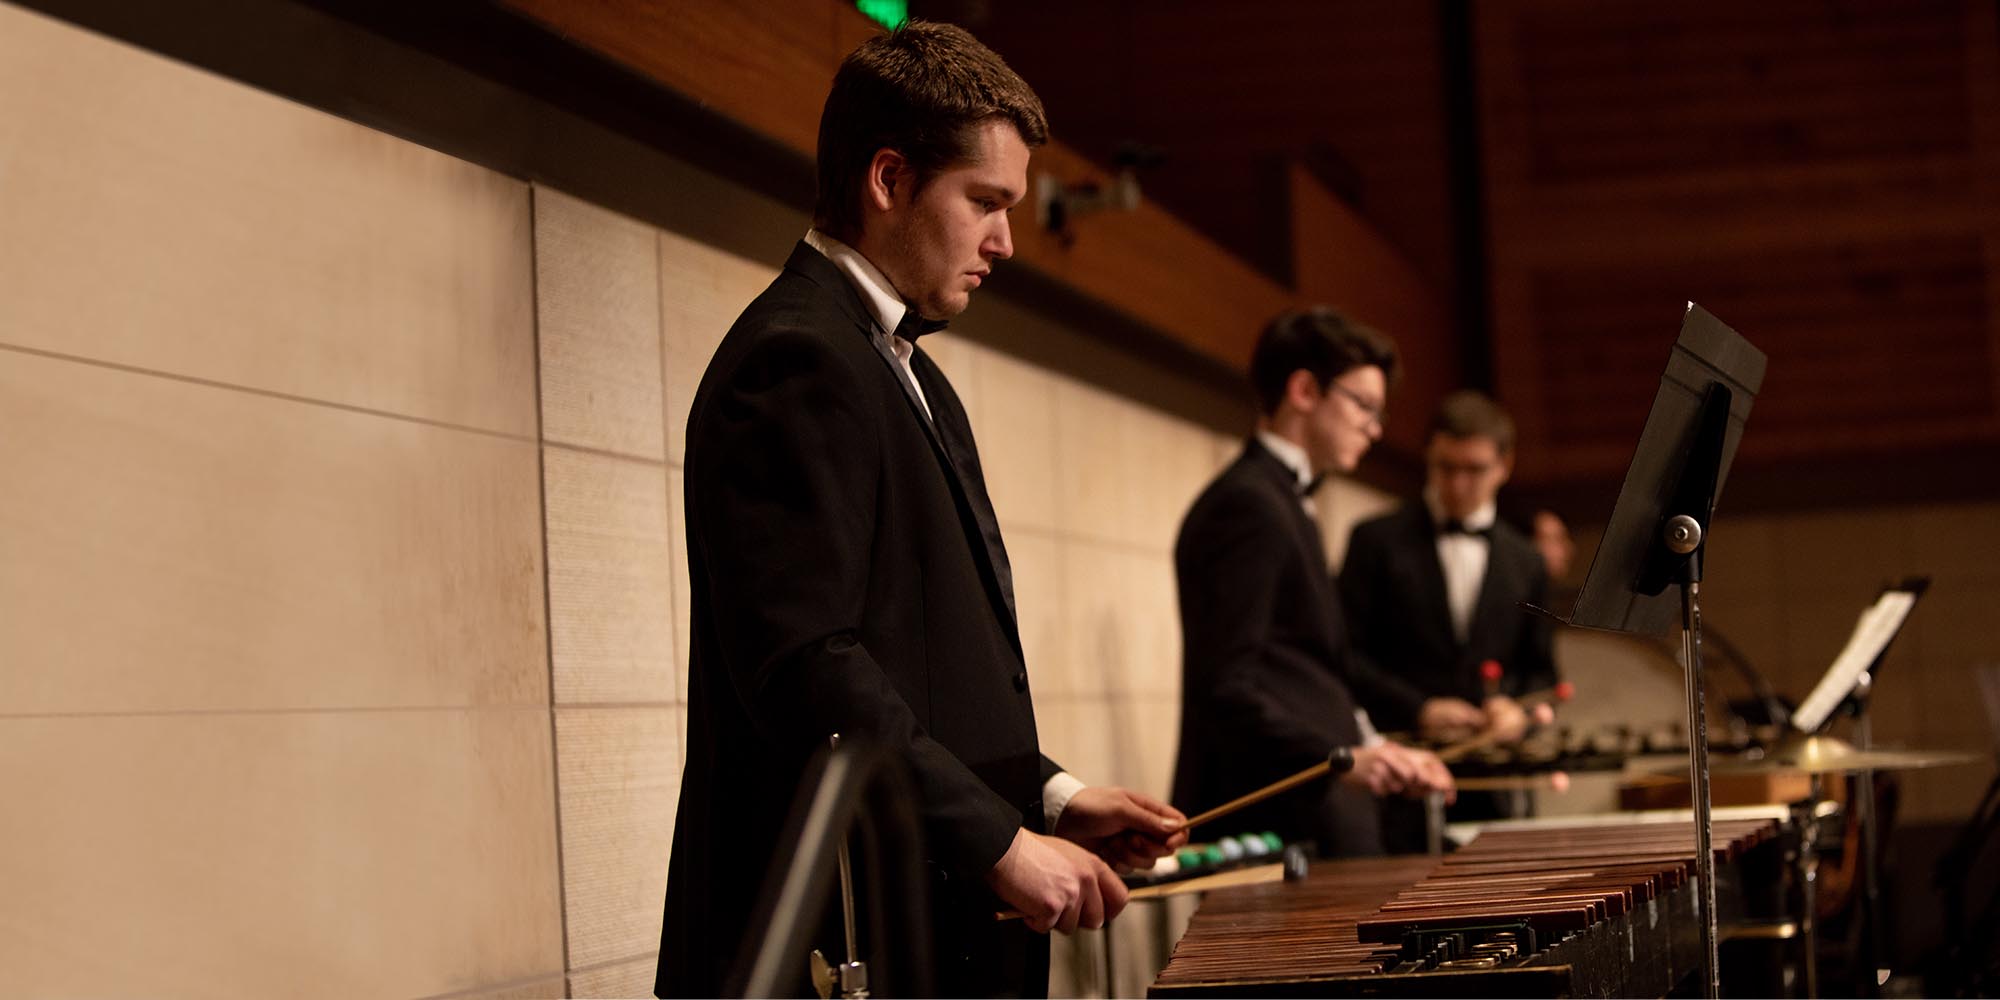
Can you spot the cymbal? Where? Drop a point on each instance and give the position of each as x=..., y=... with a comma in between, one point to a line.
x=1827, y=755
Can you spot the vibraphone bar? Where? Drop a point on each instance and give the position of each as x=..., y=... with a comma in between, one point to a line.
x=1562, y=911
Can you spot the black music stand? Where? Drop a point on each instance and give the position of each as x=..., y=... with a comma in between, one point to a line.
x=1658, y=532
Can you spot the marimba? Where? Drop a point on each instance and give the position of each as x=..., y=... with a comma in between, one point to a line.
x=1557, y=911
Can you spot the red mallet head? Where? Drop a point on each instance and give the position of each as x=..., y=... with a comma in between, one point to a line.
x=1565, y=691
x=1490, y=671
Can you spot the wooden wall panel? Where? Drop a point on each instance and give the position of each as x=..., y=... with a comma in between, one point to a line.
x=170, y=220
x=762, y=65
x=1379, y=289
x=177, y=546
x=1234, y=94
x=769, y=71
x=1672, y=90
x=1820, y=175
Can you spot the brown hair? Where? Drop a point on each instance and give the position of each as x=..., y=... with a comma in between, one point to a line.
x=1471, y=414
x=920, y=90
x=1318, y=340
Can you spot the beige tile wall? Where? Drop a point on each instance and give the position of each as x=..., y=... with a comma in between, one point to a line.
x=274, y=711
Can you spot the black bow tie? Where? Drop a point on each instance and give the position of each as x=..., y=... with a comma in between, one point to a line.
x=1457, y=527
x=915, y=325
x=1311, y=486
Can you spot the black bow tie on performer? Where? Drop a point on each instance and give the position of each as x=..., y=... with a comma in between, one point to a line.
x=1457, y=527
x=914, y=325
x=1311, y=486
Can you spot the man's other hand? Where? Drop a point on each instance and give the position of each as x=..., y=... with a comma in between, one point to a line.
x=1394, y=769
x=1446, y=719
x=1506, y=719
x=1128, y=829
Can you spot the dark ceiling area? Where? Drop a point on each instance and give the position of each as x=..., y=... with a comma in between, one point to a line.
x=1823, y=175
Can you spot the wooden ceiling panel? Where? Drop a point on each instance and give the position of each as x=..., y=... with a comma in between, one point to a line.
x=1635, y=89
x=1886, y=338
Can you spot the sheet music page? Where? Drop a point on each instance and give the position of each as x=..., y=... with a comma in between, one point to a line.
x=1877, y=625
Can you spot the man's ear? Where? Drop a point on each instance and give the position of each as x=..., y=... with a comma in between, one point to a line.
x=1506, y=466
x=888, y=178
x=1302, y=390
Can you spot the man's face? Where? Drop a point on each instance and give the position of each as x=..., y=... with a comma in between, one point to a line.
x=941, y=241
x=1465, y=473
x=1345, y=418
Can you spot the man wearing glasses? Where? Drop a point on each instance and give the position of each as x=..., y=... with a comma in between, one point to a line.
x=1266, y=685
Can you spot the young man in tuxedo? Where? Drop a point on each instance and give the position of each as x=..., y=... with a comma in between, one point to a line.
x=1266, y=687
x=848, y=571
x=1434, y=591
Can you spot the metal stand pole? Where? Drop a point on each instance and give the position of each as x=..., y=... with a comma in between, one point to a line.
x=1805, y=861
x=1110, y=963
x=1871, y=887
x=853, y=973
x=1684, y=538
x=1434, y=823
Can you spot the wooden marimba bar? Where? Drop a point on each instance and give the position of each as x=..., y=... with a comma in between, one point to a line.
x=1560, y=911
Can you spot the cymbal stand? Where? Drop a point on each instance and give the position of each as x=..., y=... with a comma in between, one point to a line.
x=1873, y=972
x=1804, y=856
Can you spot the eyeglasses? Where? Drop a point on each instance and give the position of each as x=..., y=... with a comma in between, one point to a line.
x=1372, y=410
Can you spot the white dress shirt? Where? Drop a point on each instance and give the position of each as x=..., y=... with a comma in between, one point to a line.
x=1463, y=559
x=880, y=297
x=888, y=308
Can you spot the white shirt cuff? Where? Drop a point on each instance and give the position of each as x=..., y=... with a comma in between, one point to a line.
x=1369, y=737
x=1056, y=793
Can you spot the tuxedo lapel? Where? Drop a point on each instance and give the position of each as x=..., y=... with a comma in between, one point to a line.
x=1280, y=477
x=950, y=427
x=1490, y=610
x=1429, y=572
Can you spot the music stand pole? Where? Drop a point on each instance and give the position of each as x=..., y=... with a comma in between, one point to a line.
x=1684, y=538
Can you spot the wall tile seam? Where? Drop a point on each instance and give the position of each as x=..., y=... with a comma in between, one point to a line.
x=251, y=390
x=1073, y=698
x=485, y=989
x=547, y=580
x=535, y=706
x=571, y=706
x=615, y=962
x=1094, y=541
x=596, y=452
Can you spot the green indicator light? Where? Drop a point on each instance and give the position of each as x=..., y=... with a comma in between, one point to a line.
x=889, y=14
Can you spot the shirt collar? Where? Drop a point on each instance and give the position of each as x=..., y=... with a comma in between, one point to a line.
x=876, y=291
x=1480, y=520
x=1291, y=454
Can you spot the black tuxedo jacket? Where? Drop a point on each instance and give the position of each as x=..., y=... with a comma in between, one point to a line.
x=1264, y=656
x=848, y=577
x=1393, y=588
